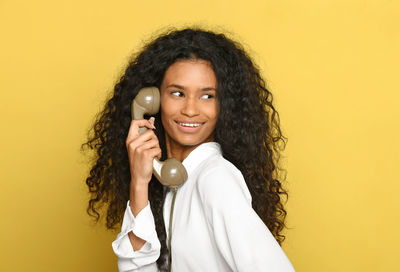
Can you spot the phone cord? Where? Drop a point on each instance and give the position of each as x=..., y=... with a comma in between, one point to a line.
x=170, y=229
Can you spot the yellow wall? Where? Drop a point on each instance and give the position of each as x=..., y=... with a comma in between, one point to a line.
x=332, y=66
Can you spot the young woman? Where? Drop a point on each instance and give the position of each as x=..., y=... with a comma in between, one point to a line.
x=217, y=118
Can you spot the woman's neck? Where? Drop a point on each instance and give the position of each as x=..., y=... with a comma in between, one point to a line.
x=178, y=151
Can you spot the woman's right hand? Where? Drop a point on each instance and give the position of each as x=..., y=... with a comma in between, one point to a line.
x=142, y=148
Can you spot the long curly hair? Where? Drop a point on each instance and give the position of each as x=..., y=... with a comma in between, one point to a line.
x=248, y=128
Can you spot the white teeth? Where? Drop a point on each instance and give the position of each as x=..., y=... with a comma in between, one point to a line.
x=189, y=125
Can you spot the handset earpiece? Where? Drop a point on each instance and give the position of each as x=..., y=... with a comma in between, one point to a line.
x=170, y=172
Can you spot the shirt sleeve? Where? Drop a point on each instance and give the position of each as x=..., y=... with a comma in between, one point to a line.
x=241, y=236
x=143, y=226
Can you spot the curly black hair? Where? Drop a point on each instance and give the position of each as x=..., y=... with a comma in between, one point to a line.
x=248, y=128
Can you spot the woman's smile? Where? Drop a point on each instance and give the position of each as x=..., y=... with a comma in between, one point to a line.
x=189, y=127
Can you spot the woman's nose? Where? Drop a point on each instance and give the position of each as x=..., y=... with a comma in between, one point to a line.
x=190, y=107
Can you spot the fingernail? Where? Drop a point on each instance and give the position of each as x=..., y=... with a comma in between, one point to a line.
x=153, y=119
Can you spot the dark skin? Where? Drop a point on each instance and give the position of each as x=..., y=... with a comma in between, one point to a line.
x=189, y=112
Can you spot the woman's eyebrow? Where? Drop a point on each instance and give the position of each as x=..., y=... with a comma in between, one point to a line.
x=176, y=86
x=209, y=89
x=182, y=88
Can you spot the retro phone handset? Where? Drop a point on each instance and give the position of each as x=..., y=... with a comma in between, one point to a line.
x=170, y=172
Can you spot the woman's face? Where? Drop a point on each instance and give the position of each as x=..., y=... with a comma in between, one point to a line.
x=189, y=105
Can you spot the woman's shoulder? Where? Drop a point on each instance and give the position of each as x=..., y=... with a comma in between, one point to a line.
x=218, y=163
x=219, y=178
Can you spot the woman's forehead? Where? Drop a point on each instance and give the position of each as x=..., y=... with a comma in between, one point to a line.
x=190, y=74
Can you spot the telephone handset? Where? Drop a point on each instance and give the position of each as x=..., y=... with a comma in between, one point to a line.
x=170, y=172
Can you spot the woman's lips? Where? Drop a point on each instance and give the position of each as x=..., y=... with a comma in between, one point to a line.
x=189, y=127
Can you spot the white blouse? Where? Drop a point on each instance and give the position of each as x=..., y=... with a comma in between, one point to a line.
x=214, y=226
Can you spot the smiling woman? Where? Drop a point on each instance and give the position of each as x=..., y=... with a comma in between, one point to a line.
x=218, y=119
x=189, y=106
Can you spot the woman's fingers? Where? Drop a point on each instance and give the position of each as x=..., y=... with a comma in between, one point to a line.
x=136, y=125
x=147, y=145
x=140, y=138
x=154, y=152
x=132, y=144
x=137, y=147
x=142, y=148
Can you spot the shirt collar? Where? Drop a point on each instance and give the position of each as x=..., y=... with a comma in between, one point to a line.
x=199, y=154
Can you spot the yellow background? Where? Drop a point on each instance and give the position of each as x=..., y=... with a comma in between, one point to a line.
x=331, y=65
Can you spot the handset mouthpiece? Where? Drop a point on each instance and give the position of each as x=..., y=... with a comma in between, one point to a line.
x=170, y=172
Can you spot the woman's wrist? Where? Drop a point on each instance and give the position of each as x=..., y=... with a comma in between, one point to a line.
x=138, y=197
x=139, y=182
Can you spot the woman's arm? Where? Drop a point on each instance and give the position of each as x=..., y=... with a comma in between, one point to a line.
x=138, y=200
x=142, y=225
x=137, y=246
x=241, y=236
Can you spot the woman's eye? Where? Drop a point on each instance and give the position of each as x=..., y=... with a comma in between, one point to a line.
x=207, y=96
x=177, y=93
